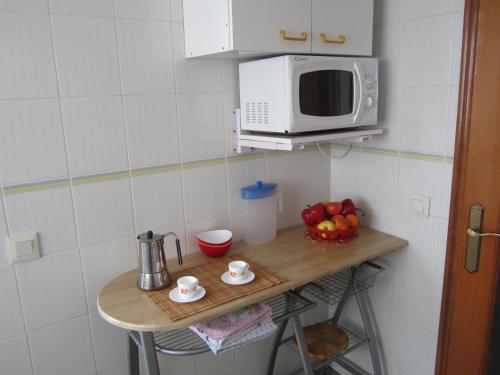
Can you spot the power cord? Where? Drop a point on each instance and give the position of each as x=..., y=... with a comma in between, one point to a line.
x=332, y=155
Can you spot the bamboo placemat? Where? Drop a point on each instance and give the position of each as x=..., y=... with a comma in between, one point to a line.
x=217, y=292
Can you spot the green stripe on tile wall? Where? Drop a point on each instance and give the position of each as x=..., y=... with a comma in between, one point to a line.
x=167, y=168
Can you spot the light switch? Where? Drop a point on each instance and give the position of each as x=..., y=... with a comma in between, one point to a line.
x=420, y=205
x=23, y=247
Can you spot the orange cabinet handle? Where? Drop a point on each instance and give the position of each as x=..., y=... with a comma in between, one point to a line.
x=340, y=40
x=285, y=37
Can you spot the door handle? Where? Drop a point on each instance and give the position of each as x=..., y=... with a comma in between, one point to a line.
x=303, y=37
x=473, y=233
x=340, y=40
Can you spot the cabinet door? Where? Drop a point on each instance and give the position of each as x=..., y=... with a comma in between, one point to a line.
x=342, y=27
x=256, y=25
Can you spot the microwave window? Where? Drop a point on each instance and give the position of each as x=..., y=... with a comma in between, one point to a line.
x=326, y=93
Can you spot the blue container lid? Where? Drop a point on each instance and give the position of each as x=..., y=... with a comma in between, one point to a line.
x=258, y=191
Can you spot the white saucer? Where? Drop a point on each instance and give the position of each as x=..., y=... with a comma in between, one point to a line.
x=197, y=295
x=229, y=280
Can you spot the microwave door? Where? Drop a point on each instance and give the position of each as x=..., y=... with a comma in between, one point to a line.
x=358, y=74
x=325, y=99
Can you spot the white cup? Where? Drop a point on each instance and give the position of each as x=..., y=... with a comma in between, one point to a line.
x=238, y=269
x=187, y=286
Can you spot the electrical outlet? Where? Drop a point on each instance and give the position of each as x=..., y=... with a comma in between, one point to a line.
x=420, y=205
x=23, y=247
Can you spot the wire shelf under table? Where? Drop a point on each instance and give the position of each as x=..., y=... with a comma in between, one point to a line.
x=355, y=341
x=185, y=342
x=331, y=288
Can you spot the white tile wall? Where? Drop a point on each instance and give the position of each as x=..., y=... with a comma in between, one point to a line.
x=4, y=256
x=427, y=52
x=101, y=263
x=103, y=8
x=63, y=348
x=86, y=56
x=11, y=319
x=33, y=127
x=15, y=356
x=148, y=9
x=418, y=43
x=146, y=58
x=105, y=86
x=48, y=212
x=27, y=68
x=151, y=123
x=95, y=134
x=201, y=126
x=51, y=289
x=104, y=211
x=205, y=192
x=39, y=6
x=93, y=88
x=157, y=201
x=110, y=343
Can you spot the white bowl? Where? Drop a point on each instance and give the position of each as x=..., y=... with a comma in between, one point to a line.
x=215, y=237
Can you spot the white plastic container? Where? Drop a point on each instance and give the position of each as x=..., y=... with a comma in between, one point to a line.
x=261, y=206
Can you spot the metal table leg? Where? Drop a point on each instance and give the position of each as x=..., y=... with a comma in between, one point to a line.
x=149, y=353
x=301, y=343
x=276, y=345
x=344, y=298
x=133, y=356
x=372, y=340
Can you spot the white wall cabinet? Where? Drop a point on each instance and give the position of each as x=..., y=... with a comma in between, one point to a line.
x=250, y=28
x=342, y=27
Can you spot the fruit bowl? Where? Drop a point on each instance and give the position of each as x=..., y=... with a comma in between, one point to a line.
x=332, y=221
x=339, y=236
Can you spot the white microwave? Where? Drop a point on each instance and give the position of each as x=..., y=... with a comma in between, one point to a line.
x=297, y=94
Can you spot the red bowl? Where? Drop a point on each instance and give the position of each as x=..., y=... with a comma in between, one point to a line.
x=214, y=251
x=218, y=244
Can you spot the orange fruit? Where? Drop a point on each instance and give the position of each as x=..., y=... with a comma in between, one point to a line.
x=341, y=222
x=353, y=219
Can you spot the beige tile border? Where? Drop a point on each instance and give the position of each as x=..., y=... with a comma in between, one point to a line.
x=167, y=168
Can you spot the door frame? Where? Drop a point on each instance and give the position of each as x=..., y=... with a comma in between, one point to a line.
x=455, y=229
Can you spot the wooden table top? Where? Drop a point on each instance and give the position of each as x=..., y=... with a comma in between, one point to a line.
x=122, y=304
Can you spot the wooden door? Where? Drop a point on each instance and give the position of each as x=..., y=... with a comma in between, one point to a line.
x=342, y=27
x=468, y=308
x=257, y=23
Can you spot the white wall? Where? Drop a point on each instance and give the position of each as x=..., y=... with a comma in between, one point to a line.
x=418, y=43
x=103, y=127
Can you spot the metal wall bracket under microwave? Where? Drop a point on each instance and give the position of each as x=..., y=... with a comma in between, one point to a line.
x=296, y=94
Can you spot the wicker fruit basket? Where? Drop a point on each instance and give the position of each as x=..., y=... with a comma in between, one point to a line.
x=338, y=236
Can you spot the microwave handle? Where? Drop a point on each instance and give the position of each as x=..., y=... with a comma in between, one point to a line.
x=359, y=101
